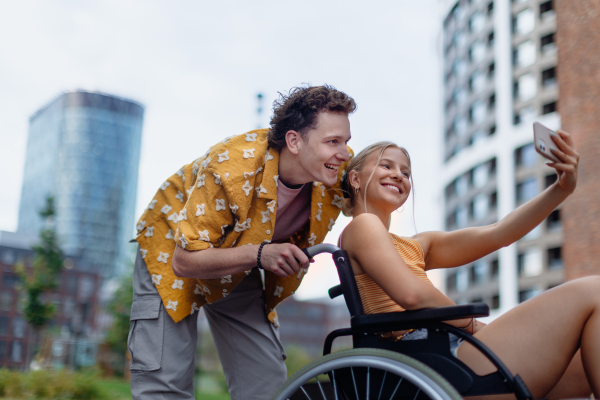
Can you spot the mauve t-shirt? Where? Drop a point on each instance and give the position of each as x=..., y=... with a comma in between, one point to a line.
x=293, y=210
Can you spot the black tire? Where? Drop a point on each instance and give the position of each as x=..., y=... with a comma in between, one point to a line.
x=372, y=374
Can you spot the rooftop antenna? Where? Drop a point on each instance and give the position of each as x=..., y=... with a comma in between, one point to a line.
x=259, y=109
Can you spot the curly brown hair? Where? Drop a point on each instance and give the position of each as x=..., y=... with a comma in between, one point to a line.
x=298, y=110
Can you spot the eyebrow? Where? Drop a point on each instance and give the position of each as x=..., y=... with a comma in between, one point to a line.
x=394, y=162
x=335, y=137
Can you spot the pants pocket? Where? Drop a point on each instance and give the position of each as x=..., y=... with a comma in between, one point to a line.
x=145, y=341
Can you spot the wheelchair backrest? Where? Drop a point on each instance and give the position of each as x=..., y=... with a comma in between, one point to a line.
x=348, y=283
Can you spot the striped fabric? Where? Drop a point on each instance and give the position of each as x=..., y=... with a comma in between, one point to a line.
x=374, y=299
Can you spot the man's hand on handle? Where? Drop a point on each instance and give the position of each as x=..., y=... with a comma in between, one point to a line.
x=283, y=259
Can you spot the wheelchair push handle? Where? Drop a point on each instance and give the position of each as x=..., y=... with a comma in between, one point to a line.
x=319, y=248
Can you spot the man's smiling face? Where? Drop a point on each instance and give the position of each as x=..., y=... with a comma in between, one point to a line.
x=322, y=149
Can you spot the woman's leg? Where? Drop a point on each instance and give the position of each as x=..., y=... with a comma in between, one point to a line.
x=573, y=383
x=539, y=338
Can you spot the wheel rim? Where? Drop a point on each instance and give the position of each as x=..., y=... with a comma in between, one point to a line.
x=424, y=383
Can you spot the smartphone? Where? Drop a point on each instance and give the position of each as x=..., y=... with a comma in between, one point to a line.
x=543, y=141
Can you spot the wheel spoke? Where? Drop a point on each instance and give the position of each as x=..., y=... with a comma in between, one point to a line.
x=368, y=380
x=335, y=391
x=354, y=382
x=382, y=382
x=306, y=394
x=395, y=390
x=418, y=390
x=320, y=387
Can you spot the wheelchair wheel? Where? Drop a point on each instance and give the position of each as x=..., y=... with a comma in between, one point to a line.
x=366, y=374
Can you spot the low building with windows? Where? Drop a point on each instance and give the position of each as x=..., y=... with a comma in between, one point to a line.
x=500, y=61
x=75, y=300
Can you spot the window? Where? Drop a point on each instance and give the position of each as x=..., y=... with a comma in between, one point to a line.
x=460, y=125
x=495, y=302
x=547, y=44
x=492, y=130
x=549, y=108
x=492, y=101
x=477, y=112
x=476, y=22
x=549, y=77
x=462, y=216
x=490, y=8
x=491, y=39
x=550, y=179
x=2, y=351
x=527, y=190
x=460, y=67
x=462, y=279
x=9, y=280
x=493, y=200
x=477, y=82
x=451, y=281
x=460, y=96
x=555, y=258
x=525, y=115
x=6, y=300
x=4, y=322
x=546, y=10
x=491, y=70
x=19, y=326
x=553, y=221
x=526, y=87
x=530, y=293
x=480, y=175
x=72, y=283
x=479, y=272
x=480, y=206
x=529, y=263
x=450, y=190
x=494, y=269
x=524, y=22
x=17, y=352
x=462, y=185
x=478, y=136
x=524, y=55
x=477, y=51
x=526, y=156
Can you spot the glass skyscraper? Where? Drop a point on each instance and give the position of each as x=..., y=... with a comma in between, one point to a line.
x=84, y=149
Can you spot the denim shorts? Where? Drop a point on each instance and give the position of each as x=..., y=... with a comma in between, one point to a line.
x=419, y=334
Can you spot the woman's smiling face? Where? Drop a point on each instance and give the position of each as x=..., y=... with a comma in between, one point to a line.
x=390, y=185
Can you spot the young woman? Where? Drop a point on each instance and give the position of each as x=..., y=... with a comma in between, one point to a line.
x=552, y=341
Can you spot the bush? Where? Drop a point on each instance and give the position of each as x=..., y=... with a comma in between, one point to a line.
x=51, y=385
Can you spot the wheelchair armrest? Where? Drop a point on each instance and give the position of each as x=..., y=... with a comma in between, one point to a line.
x=387, y=322
x=335, y=291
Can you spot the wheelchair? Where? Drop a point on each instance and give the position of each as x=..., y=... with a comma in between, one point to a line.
x=378, y=368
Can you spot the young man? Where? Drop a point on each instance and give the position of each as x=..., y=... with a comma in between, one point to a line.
x=252, y=200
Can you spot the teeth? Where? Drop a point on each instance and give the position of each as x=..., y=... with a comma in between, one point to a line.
x=332, y=167
x=392, y=187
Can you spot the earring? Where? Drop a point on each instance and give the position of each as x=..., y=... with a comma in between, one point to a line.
x=356, y=190
x=402, y=209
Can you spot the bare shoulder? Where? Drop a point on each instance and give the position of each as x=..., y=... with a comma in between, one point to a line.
x=363, y=229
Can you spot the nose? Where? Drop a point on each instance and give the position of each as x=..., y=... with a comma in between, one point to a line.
x=344, y=155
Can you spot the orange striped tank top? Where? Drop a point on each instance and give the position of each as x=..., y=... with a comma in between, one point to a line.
x=374, y=299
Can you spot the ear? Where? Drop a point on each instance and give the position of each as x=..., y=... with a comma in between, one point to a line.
x=293, y=140
x=353, y=179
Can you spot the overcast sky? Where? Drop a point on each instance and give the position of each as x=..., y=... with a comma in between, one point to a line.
x=197, y=66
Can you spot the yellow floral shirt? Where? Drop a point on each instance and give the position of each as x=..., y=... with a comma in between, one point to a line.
x=226, y=198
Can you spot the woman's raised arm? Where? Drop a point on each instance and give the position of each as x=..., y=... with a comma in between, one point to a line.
x=451, y=249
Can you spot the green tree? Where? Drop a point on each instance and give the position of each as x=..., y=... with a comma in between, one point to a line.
x=42, y=277
x=120, y=309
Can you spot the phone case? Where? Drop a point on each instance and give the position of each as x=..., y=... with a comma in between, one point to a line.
x=543, y=141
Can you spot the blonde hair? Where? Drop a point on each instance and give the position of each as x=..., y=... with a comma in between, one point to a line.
x=357, y=164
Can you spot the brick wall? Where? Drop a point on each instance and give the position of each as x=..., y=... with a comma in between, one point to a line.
x=578, y=41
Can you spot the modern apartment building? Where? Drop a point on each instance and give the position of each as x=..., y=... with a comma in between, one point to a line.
x=74, y=324
x=84, y=149
x=499, y=65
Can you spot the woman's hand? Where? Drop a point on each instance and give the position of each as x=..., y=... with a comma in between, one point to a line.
x=566, y=170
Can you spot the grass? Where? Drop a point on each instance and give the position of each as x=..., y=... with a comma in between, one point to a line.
x=118, y=389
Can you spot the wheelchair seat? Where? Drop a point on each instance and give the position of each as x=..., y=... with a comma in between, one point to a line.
x=433, y=350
